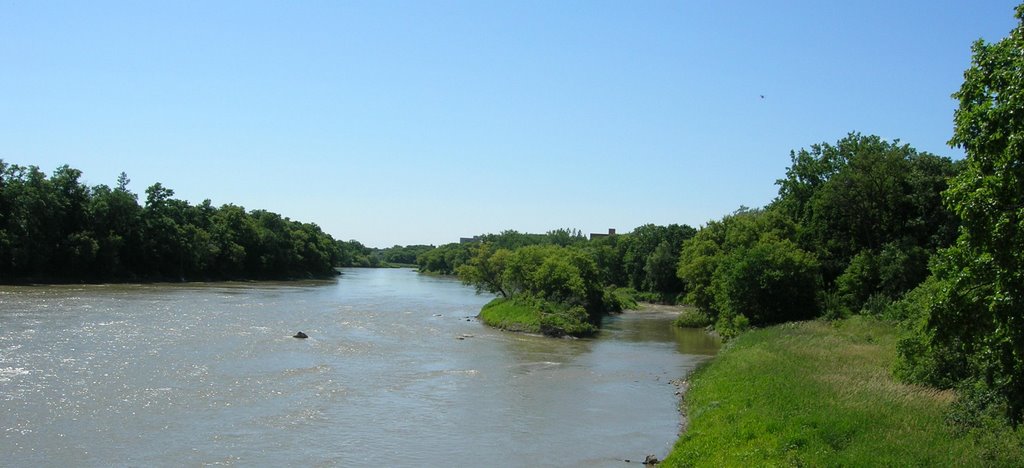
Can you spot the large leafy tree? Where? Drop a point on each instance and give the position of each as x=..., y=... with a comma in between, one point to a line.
x=980, y=312
x=747, y=265
x=640, y=245
x=862, y=194
x=871, y=211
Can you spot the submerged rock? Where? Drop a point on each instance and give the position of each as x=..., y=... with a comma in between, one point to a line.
x=651, y=460
x=300, y=335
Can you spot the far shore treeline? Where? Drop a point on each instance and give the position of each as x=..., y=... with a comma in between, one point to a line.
x=56, y=229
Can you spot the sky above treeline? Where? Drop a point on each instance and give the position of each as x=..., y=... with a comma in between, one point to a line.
x=394, y=122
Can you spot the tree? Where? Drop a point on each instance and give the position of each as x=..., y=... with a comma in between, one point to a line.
x=638, y=247
x=773, y=281
x=661, y=270
x=863, y=193
x=747, y=266
x=981, y=312
x=486, y=270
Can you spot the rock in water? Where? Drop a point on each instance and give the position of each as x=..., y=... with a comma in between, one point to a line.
x=300, y=335
x=651, y=460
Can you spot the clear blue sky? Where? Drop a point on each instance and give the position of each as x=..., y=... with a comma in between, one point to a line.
x=419, y=122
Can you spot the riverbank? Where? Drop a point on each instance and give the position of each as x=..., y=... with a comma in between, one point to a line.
x=822, y=393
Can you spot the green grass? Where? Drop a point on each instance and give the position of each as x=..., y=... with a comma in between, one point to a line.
x=532, y=315
x=511, y=315
x=822, y=394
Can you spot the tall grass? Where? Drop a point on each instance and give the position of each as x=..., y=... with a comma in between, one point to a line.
x=822, y=394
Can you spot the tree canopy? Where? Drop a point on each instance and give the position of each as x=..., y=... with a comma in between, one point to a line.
x=974, y=325
x=58, y=229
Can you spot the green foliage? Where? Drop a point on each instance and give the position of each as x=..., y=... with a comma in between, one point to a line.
x=746, y=266
x=58, y=229
x=976, y=319
x=557, y=320
x=644, y=267
x=565, y=237
x=863, y=193
x=858, y=282
x=698, y=261
x=530, y=314
x=922, y=358
x=772, y=281
x=566, y=284
x=354, y=254
x=485, y=270
x=977, y=408
x=730, y=326
x=444, y=260
x=564, y=275
x=404, y=255
x=607, y=253
x=620, y=299
x=660, y=270
x=512, y=315
x=872, y=212
x=644, y=259
x=447, y=258
x=692, y=318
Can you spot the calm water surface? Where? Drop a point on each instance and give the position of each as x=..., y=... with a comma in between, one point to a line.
x=198, y=374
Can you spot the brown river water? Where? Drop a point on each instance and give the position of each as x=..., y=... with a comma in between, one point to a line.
x=395, y=372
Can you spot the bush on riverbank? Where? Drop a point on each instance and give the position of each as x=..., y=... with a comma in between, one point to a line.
x=533, y=315
x=821, y=393
x=692, y=317
x=620, y=299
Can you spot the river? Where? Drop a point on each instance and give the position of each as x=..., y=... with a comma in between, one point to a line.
x=395, y=372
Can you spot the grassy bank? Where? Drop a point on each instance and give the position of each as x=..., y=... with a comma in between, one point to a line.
x=821, y=393
x=531, y=315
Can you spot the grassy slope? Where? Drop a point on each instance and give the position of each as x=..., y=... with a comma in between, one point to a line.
x=536, y=316
x=510, y=315
x=821, y=394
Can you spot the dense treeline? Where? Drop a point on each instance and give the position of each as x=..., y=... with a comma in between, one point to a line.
x=58, y=229
x=852, y=229
x=644, y=259
x=354, y=254
x=566, y=279
x=403, y=255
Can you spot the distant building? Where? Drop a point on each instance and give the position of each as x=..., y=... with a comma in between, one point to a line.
x=469, y=240
x=596, y=235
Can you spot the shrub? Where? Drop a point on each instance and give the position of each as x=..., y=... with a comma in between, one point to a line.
x=920, y=358
x=692, y=318
x=619, y=299
x=732, y=326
